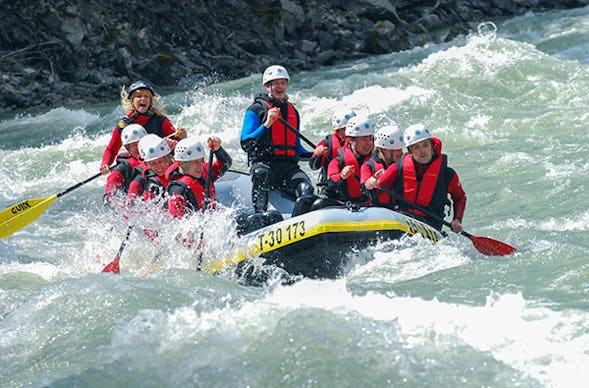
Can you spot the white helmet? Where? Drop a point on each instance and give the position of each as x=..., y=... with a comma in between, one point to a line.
x=416, y=133
x=152, y=147
x=341, y=116
x=359, y=126
x=389, y=137
x=274, y=72
x=189, y=149
x=132, y=133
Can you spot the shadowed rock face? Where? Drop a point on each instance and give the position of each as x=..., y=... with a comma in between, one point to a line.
x=69, y=52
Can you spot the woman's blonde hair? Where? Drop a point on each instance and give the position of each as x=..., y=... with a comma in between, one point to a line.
x=379, y=152
x=127, y=102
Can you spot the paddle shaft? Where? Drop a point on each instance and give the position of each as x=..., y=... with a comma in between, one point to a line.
x=206, y=205
x=485, y=245
x=297, y=132
x=77, y=185
x=114, y=266
x=389, y=192
x=70, y=189
x=208, y=181
x=421, y=209
x=125, y=240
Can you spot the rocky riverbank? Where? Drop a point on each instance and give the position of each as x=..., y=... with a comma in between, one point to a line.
x=69, y=52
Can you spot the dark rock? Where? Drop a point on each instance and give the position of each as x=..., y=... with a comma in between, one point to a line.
x=74, y=52
x=308, y=46
x=381, y=37
x=328, y=57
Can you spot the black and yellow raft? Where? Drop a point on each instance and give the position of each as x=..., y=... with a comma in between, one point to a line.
x=313, y=244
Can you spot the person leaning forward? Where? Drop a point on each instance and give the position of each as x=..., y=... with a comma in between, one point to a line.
x=140, y=103
x=273, y=149
x=424, y=178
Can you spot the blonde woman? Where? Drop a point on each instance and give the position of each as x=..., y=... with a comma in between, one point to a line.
x=140, y=103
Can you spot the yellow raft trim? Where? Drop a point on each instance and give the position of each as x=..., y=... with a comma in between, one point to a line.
x=290, y=233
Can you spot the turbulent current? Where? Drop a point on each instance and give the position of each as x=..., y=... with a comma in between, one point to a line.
x=510, y=104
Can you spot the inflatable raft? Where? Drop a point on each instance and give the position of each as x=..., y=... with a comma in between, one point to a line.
x=313, y=244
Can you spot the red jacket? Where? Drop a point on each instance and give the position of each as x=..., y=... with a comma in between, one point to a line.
x=349, y=189
x=158, y=125
x=123, y=173
x=367, y=170
x=188, y=193
x=421, y=184
x=149, y=184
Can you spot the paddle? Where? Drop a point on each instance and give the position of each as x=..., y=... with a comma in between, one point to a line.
x=113, y=266
x=205, y=204
x=25, y=212
x=487, y=246
x=296, y=132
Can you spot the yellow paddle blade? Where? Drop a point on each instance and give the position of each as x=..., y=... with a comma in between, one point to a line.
x=21, y=214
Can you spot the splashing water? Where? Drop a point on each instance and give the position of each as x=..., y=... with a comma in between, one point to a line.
x=509, y=103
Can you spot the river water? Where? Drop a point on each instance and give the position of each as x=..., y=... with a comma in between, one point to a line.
x=511, y=109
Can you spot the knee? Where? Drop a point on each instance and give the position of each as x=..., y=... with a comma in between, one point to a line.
x=304, y=188
x=260, y=174
x=319, y=203
x=303, y=204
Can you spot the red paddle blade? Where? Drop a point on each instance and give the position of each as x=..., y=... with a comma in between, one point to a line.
x=489, y=247
x=113, y=266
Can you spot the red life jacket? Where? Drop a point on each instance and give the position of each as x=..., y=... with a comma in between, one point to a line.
x=432, y=191
x=332, y=142
x=193, y=190
x=284, y=141
x=347, y=158
x=376, y=164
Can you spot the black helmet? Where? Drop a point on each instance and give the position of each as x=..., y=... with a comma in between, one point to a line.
x=141, y=84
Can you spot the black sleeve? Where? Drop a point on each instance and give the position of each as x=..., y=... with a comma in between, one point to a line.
x=223, y=157
x=315, y=162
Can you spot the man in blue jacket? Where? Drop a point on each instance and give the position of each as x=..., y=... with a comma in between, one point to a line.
x=273, y=149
